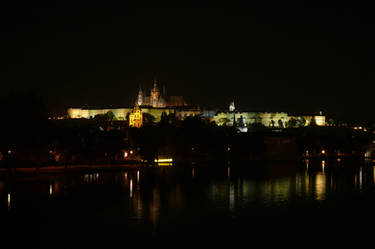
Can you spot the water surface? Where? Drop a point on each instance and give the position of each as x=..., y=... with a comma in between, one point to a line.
x=310, y=203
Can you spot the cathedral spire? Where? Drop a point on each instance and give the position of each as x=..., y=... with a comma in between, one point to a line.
x=140, y=96
x=155, y=85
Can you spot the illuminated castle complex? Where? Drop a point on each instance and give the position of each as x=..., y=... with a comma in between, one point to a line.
x=156, y=100
x=155, y=104
x=158, y=103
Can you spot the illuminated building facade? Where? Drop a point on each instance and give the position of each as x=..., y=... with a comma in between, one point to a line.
x=268, y=119
x=135, y=117
x=157, y=100
x=155, y=104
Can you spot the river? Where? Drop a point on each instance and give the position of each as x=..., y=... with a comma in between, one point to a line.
x=303, y=204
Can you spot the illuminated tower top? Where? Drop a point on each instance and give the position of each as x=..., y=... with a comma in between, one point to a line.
x=232, y=107
x=140, y=97
x=155, y=93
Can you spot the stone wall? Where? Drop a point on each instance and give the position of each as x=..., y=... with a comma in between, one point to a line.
x=276, y=119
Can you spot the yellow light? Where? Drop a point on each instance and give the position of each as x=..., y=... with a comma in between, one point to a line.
x=131, y=152
x=323, y=151
x=164, y=164
x=338, y=160
x=8, y=200
x=163, y=160
x=50, y=189
x=137, y=175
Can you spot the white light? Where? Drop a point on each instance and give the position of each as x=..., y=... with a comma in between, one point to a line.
x=137, y=175
x=50, y=189
x=125, y=154
x=8, y=200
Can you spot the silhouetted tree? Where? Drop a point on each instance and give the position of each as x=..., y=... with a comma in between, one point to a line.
x=148, y=118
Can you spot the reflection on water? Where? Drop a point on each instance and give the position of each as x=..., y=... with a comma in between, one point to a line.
x=157, y=195
x=50, y=189
x=131, y=188
x=320, y=185
x=8, y=200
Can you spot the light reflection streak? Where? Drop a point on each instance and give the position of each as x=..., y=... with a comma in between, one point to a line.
x=50, y=189
x=155, y=206
x=91, y=178
x=360, y=178
x=231, y=197
x=320, y=186
x=137, y=176
x=131, y=188
x=8, y=200
x=228, y=171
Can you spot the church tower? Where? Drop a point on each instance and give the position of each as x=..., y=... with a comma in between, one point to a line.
x=155, y=94
x=135, y=117
x=140, y=97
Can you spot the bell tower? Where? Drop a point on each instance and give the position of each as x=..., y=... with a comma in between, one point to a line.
x=155, y=94
x=140, y=97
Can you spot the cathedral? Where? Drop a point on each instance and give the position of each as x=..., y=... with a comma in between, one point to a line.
x=158, y=100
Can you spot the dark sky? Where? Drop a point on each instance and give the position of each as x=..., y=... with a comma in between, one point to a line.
x=275, y=58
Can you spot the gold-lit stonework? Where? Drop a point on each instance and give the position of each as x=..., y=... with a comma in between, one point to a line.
x=135, y=117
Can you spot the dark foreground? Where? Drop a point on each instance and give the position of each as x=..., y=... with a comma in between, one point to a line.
x=284, y=205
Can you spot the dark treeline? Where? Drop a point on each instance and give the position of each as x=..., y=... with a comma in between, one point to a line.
x=29, y=137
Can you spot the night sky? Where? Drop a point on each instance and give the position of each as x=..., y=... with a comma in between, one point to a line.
x=265, y=58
